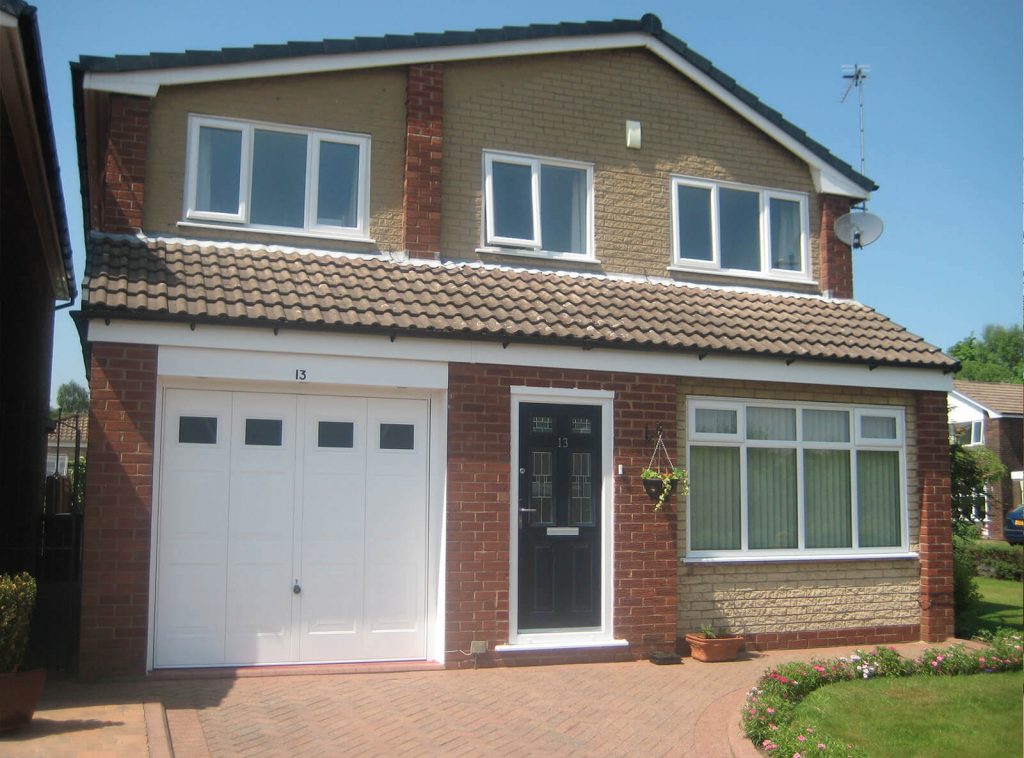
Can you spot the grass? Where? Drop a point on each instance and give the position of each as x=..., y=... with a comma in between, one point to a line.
x=1002, y=604
x=922, y=716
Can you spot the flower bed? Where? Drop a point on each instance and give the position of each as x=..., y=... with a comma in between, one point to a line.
x=770, y=710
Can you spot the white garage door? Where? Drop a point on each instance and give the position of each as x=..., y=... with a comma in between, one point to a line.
x=291, y=529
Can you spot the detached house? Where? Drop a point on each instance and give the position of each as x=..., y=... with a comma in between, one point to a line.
x=383, y=331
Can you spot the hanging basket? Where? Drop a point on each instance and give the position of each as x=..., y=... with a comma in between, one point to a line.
x=655, y=486
x=660, y=483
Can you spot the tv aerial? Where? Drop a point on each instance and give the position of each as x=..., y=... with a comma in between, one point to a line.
x=858, y=228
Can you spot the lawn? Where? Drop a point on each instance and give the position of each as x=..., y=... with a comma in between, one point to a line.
x=1002, y=605
x=922, y=716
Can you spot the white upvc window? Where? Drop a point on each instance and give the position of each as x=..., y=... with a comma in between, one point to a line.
x=773, y=480
x=968, y=433
x=739, y=229
x=540, y=205
x=277, y=178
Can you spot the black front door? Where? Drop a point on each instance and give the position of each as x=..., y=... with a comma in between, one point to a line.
x=559, y=516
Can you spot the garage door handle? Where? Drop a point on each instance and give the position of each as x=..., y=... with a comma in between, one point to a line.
x=296, y=589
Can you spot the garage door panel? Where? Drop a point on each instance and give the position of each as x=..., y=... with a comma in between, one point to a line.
x=272, y=489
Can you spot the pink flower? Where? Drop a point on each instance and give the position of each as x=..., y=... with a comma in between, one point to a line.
x=801, y=738
x=770, y=710
x=820, y=669
x=797, y=755
x=774, y=727
x=810, y=731
x=822, y=746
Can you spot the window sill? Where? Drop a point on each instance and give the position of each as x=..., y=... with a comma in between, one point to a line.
x=791, y=558
x=523, y=647
x=262, y=230
x=541, y=255
x=740, y=274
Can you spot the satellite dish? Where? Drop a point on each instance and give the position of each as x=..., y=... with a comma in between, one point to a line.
x=859, y=229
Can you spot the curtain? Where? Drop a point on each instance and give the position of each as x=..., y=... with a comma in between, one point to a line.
x=771, y=423
x=714, y=498
x=827, y=521
x=785, y=224
x=878, y=498
x=771, y=498
x=826, y=426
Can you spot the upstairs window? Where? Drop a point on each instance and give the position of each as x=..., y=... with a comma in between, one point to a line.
x=540, y=205
x=740, y=230
x=277, y=178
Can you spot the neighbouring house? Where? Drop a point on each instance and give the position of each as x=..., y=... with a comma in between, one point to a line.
x=381, y=333
x=992, y=414
x=35, y=253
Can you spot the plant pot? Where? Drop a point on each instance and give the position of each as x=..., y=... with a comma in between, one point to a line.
x=715, y=648
x=19, y=694
x=653, y=487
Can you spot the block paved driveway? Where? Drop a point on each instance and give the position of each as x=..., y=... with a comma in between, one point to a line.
x=615, y=709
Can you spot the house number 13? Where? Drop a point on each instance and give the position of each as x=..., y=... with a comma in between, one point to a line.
x=300, y=374
x=563, y=442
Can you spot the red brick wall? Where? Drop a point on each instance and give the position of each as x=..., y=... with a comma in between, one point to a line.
x=124, y=165
x=1003, y=436
x=115, y=579
x=423, y=139
x=936, y=544
x=836, y=259
x=477, y=570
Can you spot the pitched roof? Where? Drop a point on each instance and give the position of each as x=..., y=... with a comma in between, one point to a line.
x=219, y=283
x=1001, y=397
x=69, y=424
x=648, y=24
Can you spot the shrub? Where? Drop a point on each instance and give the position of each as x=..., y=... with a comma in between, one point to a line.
x=769, y=712
x=997, y=559
x=966, y=594
x=17, y=598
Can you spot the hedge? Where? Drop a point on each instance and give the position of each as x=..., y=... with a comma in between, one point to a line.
x=997, y=559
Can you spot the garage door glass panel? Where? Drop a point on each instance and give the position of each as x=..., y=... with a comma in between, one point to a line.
x=263, y=431
x=397, y=436
x=335, y=434
x=197, y=430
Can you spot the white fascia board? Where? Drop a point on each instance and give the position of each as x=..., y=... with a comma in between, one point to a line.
x=958, y=398
x=8, y=19
x=428, y=349
x=147, y=82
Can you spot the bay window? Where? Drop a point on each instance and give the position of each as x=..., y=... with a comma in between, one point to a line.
x=277, y=178
x=739, y=229
x=539, y=205
x=774, y=479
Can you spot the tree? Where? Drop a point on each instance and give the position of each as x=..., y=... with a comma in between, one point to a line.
x=998, y=356
x=972, y=469
x=72, y=397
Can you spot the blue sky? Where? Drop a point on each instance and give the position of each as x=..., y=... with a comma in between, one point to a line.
x=943, y=113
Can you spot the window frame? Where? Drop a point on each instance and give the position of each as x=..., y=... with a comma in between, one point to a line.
x=853, y=445
x=765, y=196
x=495, y=243
x=314, y=139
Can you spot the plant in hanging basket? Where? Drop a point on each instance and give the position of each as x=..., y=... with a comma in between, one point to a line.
x=660, y=484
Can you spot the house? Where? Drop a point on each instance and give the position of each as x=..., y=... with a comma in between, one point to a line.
x=383, y=331
x=992, y=414
x=35, y=252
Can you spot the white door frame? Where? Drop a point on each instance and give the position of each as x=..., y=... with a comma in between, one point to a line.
x=436, y=467
x=602, y=637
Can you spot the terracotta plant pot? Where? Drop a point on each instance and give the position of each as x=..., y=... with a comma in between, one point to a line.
x=714, y=648
x=19, y=694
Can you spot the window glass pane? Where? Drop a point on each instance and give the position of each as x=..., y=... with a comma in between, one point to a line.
x=714, y=498
x=771, y=498
x=278, y=179
x=827, y=502
x=771, y=423
x=219, y=169
x=785, y=225
x=714, y=421
x=581, y=490
x=826, y=426
x=197, y=430
x=513, y=200
x=694, y=222
x=878, y=498
x=739, y=229
x=334, y=434
x=878, y=427
x=563, y=209
x=976, y=433
x=263, y=431
x=542, y=424
x=397, y=436
x=541, y=492
x=338, y=192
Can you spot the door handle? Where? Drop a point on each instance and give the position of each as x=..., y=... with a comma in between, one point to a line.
x=297, y=588
x=527, y=510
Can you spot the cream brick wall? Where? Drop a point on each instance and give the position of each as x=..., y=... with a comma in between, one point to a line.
x=800, y=596
x=365, y=102
x=575, y=106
